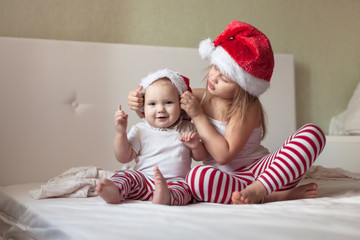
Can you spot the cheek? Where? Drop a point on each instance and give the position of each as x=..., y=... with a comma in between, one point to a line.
x=229, y=92
x=176, y=111
x=148, y=111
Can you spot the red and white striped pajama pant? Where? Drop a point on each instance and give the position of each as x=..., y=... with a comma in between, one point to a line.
x=280, y=170
x=137, y=186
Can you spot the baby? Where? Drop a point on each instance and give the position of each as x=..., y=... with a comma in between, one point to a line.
x=164, y=141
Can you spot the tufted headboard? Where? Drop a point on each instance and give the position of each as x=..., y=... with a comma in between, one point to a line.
x=57, y=100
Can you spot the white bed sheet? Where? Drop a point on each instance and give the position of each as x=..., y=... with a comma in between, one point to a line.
x=334, y=215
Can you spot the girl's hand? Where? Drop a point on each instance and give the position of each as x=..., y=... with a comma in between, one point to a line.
x=120, y=121
x=190, y=139
x=190, y=104
x=136, y=99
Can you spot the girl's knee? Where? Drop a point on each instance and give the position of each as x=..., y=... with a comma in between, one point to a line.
x=313, y=127
x=314, y=130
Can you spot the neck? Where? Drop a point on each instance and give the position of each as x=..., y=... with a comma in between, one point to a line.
x=217, y=106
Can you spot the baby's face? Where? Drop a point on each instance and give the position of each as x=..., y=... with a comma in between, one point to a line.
x=162, y=104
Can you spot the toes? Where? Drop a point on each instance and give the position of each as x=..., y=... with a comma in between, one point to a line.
x=235, y=197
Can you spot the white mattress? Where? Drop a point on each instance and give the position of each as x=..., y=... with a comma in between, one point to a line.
x=334, y=215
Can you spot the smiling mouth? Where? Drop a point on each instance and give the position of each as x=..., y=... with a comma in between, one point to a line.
x=161, y=118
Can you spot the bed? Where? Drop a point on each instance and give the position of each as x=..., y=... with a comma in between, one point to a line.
x=57, y=100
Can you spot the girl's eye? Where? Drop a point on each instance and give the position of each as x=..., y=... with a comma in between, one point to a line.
x=151, y=104
x=169, y=102
x=226, y=79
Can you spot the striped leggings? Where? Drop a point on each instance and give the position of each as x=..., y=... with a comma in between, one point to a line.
x=136, y=185
x=277, y=171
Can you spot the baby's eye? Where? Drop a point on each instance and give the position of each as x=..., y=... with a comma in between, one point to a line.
x=169, y=102
x=151, y=104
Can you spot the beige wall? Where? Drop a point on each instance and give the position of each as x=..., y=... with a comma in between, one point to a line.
x=323, y=35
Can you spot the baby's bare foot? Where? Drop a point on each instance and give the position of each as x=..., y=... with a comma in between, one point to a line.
x=109, y=191
x=161, y=193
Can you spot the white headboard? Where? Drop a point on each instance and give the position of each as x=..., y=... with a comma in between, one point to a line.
x=57, y=100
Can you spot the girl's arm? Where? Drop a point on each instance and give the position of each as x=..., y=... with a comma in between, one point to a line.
x=123, y=151
x=136, y=101
x=222, y=148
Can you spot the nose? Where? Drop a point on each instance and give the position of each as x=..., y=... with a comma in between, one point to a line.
x=161, y=108
x=216, y=76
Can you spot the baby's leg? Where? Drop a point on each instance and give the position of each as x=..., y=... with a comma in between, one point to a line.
x=109, y=191
x=161, y=193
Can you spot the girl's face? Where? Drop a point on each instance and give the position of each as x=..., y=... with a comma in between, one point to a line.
x=220, y=85
x=162, y=104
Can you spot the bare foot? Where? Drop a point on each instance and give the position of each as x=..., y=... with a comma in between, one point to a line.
x=254, y=193
x=161, y=193
x=109, y=191
x=309, y=190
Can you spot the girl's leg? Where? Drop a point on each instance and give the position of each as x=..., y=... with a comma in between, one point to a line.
x=284, y=169
x=309, y=190
x=209, y=184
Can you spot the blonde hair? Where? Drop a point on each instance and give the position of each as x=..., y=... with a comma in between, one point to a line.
x=238, y=107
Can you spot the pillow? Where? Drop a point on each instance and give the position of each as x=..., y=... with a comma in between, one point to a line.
x=352, y=117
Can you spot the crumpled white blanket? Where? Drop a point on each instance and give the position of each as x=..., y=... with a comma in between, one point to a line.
x=76, y=182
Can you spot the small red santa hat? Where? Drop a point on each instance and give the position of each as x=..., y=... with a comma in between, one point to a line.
x=242, y=53
x=180, y=82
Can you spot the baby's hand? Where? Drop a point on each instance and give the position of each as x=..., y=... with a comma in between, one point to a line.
x=136, y=99
x=120, y=120
x=190, y=139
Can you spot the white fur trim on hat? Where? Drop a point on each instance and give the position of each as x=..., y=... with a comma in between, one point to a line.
x=227, y=65
x=206, y=47
x=174, y=77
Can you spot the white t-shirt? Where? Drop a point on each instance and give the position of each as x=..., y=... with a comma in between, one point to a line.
x=161, y=147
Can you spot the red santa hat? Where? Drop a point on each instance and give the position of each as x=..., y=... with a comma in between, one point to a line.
x=242, y=53
x=180, y=82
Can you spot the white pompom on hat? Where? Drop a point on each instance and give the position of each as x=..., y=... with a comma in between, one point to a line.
x=242, y=53
x=180, y=82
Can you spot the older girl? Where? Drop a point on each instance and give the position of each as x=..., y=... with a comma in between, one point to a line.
x=230, y=120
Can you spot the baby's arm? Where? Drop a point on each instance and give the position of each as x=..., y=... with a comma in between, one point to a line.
x=123, y=151
x=136, y=101
x=192, y=140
